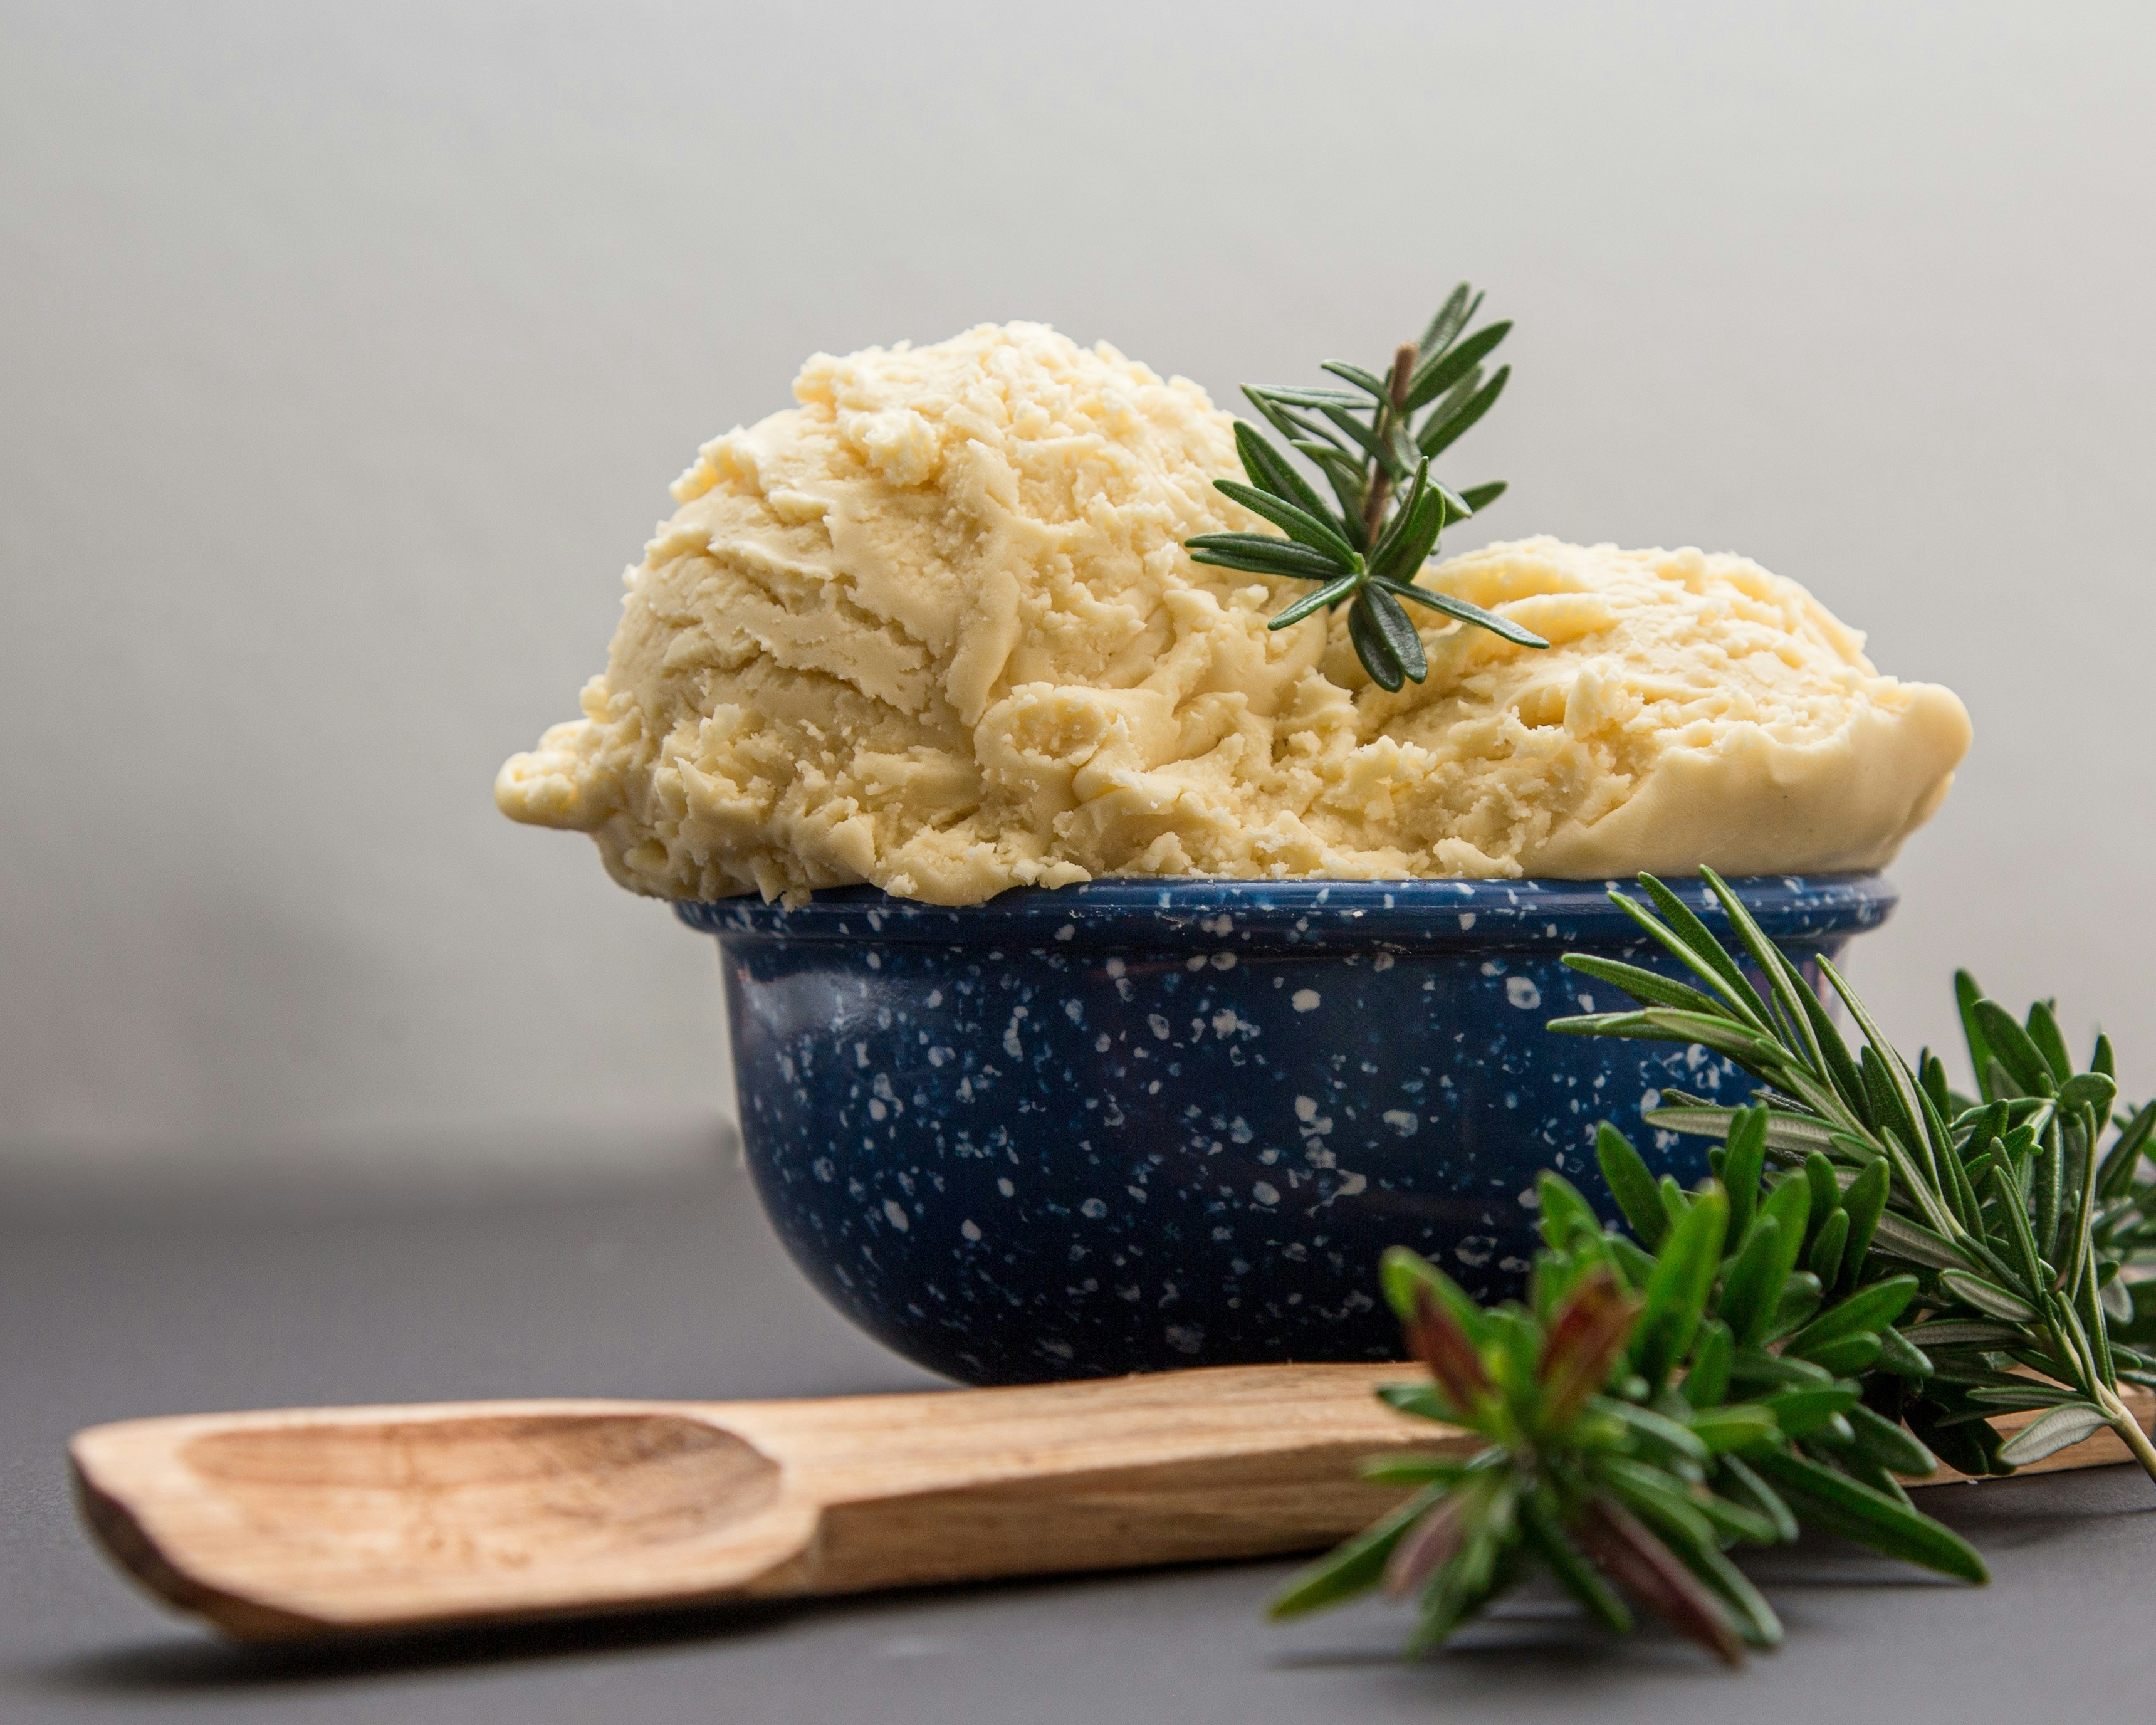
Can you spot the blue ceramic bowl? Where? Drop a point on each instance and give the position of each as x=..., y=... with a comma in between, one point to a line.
x=1135, y=1125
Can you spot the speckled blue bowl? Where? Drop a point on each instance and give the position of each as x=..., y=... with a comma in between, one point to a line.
x=1135, y=1125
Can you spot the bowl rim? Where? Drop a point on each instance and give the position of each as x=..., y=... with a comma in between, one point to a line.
x=1128, y=913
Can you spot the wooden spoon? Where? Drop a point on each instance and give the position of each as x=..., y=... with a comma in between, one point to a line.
x=279, y=1525
x=313, y=1522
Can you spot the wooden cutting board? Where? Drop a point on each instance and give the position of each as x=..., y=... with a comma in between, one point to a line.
x=324, y=1521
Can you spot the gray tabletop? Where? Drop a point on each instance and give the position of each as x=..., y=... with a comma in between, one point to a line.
x=679, y=1291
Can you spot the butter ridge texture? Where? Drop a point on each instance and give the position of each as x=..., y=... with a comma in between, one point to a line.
x=934, y=629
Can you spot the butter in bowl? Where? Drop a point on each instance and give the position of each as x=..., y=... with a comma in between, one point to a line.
x=1134, y=917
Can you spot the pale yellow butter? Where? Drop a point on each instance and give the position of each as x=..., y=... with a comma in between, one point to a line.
x=934, y=629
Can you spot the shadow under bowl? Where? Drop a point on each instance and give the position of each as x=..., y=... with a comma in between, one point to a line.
x=1135, y=1125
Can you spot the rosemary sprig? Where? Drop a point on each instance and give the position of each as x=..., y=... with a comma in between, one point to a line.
x=1616, y=1456
x=1879, y=1267
x=2013, y=1216
x=1365, y=547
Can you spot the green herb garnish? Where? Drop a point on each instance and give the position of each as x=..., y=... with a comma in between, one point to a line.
x=1645, y=1412
x=2008, y=1206
x=1879, y=1267
x=1367, y=552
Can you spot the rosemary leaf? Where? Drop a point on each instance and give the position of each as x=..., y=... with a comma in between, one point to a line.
x=1454, y=315
x=1443, y=429
x=1441, y=370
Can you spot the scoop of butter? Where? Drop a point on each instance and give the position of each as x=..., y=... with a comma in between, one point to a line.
x=934, y=629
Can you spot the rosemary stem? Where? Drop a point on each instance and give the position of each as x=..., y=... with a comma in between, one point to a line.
x=1381, y=482
x=1373, y=511
x=2128, y=1428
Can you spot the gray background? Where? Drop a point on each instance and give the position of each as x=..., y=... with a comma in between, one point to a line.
x=347, y=352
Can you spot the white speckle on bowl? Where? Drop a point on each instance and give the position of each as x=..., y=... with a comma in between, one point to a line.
x=1266, y=1193
x=1005, y=1187
x=1306, y=1108
x=1493, y=967
x=935, y=996
x=1101, y=1043
x=1304, y=1000
x=1114, y=967
x=1093, y=1207
x=1228, y=1022
x=1185, y=1339
x=896, y=1212
x=1402, y=1121
x=1074, y=1011
x=1384, y=961
x=1196, y=960
x=1067, y=931
x=1158, y=1025
x=1467, y=919
x=1521, y=991
x=1223, y=960
x=875, y=960
x=970, y=1229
